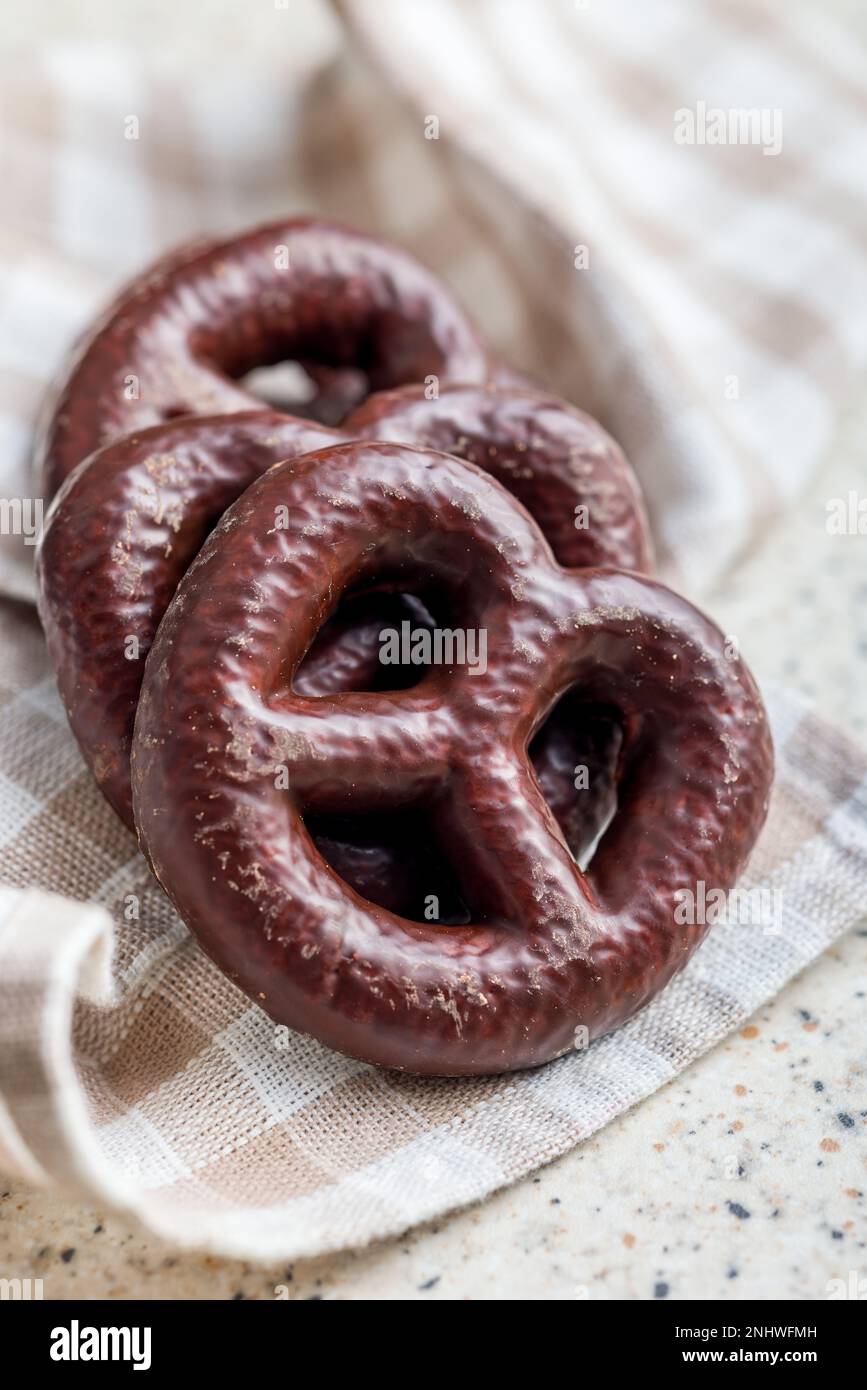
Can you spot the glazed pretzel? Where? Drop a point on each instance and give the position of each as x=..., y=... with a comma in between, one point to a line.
x=556, y=459
x=549, y=949
x=117, y=540
x=175, y=340
x=128, y=523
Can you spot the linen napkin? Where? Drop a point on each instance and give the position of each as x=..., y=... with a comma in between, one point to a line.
x=130, y=1069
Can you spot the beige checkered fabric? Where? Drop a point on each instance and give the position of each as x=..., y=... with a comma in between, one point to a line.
x=711, y=329
x=130, y=1069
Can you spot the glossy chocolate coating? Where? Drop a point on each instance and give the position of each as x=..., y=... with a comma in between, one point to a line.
x=175, y=340
x=552, y=456
x=117, y=540
x=548, y=949
x=126, y=525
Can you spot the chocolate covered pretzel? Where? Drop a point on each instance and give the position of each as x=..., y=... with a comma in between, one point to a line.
x=230, y=762
x=361, y=314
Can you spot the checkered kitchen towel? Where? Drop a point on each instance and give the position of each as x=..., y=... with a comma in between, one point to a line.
x=707, y=314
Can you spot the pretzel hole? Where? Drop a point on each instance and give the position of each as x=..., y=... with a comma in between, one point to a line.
x=369, y=642
x=577, y=756
x=308, y=389
x=394, y=861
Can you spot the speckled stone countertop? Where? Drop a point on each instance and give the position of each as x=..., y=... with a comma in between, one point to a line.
x=745, y=1177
